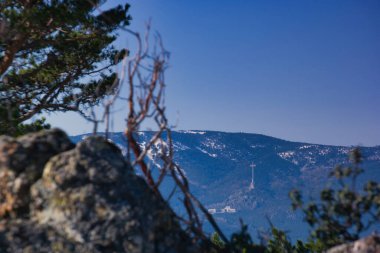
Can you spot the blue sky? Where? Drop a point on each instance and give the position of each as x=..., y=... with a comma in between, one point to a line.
x=301, y=70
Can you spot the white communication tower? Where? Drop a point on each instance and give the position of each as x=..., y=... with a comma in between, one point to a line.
x=252, y=185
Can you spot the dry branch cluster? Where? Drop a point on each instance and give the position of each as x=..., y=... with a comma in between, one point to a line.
x=142, y=78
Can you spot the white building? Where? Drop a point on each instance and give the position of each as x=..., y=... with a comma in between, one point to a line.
x=228, y=209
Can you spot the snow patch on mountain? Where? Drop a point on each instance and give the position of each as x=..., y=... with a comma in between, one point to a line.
x=192, y=132
x=324, y=151
x=257, y=146
x=290, y=156
x=179, y=146
x=344, y=150
x=286, y=155
x=207, y=153
x=375, y=156
x=213, y=144
x=142, y=145
x=306, y=146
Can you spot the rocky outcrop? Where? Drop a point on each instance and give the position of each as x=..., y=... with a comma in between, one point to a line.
x=22, y=162
x=58, y=197
x=370, y=244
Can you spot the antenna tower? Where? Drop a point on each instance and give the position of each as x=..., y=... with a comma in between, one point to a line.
x=252, y=185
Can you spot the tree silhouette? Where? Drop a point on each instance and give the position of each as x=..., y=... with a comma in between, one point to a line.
x=55, y=55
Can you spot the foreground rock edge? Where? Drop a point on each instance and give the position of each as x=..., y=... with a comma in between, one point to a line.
x=58, y=197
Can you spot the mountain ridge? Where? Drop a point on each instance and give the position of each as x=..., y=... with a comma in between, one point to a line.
x=242, y=132
x=217, y=166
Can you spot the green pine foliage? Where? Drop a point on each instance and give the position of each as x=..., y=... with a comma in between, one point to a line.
x=56, y=55
x=217, y=241
x=342, y=213
x=35, y=126
x=242, y=242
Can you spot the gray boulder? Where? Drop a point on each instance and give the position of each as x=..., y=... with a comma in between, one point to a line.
x=22, y=162
x=86, y=198
x=370, y=244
